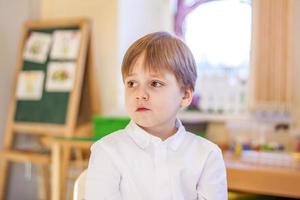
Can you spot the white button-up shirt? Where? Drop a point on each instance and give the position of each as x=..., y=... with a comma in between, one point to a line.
x=132, y=164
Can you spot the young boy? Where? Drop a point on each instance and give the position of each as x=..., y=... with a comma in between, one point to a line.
x=154, y=157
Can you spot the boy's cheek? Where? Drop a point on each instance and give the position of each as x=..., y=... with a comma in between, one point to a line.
x=127, y=98
x=129, y=106
x=129, y=94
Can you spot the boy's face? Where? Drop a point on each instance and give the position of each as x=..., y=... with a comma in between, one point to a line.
x=153, y=99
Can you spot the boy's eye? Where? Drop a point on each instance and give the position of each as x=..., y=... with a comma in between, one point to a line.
x=131, y=84
x=156, y=84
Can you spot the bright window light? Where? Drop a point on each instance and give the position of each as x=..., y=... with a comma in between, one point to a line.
x=219, y=33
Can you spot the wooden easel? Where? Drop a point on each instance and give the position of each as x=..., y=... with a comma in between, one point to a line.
x=81, y=104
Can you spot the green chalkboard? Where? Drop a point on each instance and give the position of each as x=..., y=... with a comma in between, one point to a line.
x=52, y=107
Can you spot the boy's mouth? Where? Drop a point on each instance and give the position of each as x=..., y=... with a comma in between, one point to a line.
x=142, y=109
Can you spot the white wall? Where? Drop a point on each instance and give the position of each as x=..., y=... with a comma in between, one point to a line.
x=139, y=17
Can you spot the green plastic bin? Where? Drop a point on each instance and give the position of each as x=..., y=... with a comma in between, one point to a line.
x=105, y=125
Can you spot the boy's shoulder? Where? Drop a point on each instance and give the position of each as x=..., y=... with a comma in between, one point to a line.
x=201, y=142
x=112, y=139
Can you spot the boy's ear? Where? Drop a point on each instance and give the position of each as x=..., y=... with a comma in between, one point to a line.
x=187, y=97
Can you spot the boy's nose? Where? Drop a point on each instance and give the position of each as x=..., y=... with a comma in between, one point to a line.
x=142, y=94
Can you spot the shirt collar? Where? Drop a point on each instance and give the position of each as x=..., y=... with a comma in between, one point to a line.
x=143, y=139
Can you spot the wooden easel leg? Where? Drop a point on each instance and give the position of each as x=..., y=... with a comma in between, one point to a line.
x=4, y=163
x=4, y=170
x=64, y=170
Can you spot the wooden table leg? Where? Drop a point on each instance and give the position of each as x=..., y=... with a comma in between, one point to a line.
x=44, y=186
x=55, y=180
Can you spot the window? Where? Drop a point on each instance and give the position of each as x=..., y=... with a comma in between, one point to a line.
x=219, y=35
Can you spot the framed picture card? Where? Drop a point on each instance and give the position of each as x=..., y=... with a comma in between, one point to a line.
x=65, y=44
x=30, y=85
x=37, y=47
x=60, y=76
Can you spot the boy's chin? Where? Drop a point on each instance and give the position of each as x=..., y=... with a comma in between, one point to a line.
x=143, y=123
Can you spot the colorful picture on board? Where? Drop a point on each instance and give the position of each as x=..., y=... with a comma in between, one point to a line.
x=37, y=47
x=65, y=45
x=60, y=76
x=30, y=85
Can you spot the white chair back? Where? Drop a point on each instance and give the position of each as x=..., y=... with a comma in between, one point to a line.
x=79, y=186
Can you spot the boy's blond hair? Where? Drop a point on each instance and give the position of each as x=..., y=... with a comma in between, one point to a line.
x=162, y=51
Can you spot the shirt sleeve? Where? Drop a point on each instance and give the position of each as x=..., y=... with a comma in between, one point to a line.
x=212, y=184
x=103, y=177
